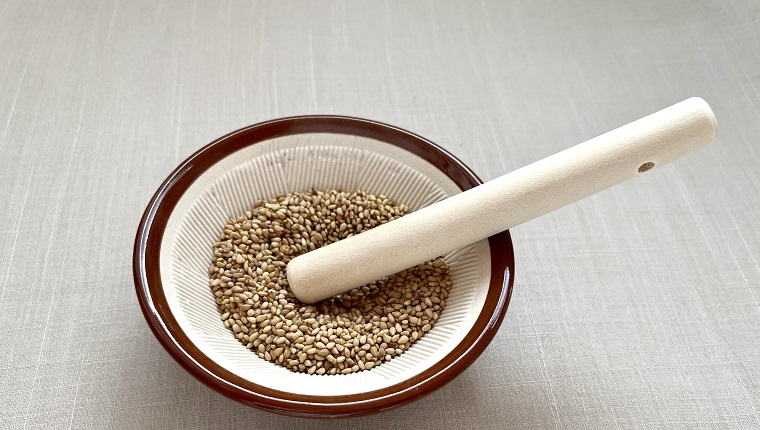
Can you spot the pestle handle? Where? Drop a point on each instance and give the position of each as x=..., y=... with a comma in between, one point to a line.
x=504, y=202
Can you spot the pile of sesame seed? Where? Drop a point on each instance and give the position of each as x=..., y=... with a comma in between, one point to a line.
x=348, y=333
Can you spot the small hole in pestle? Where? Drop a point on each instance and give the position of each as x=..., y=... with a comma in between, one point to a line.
x=646, y=166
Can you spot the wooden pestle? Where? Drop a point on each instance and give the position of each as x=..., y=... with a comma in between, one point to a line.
x=504, y=202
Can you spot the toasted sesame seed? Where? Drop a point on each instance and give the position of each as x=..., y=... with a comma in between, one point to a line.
x=350, y=332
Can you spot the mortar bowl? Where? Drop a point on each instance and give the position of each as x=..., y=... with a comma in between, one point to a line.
x=173, y=249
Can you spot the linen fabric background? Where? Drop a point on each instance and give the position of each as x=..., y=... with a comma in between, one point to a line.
x=636, y=308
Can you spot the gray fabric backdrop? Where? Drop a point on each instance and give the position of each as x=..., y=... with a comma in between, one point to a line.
x=636, y=308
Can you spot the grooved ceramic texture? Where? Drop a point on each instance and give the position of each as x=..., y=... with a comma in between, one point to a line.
x=296, y=164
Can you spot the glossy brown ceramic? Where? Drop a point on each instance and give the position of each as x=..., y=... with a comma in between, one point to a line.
x=154, y=305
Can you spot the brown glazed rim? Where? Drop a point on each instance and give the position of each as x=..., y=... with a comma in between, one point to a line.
x=162, y=322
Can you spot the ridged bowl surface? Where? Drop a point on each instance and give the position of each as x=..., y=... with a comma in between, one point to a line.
x=225, y=181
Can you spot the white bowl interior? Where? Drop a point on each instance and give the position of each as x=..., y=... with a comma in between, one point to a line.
x=297, y=163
